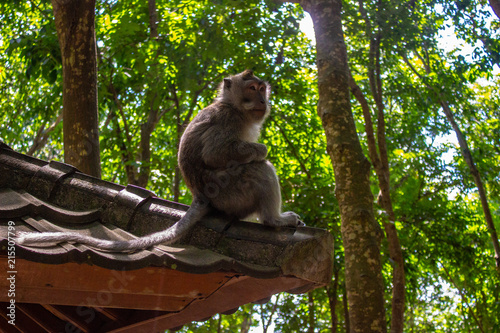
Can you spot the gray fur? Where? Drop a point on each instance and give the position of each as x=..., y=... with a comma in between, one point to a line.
x=221, y=164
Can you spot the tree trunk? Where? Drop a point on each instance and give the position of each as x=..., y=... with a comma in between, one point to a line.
x=332, y=293
x=311, y=317
x=464, y=148
x=365, y=289
x=246, y=324
x=380, y=163
x=346, y=311
x=75, y=30
x=153, y=19
x=495, y=5
x=144, y=155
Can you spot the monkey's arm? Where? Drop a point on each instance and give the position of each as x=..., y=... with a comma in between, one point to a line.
x=221, y=150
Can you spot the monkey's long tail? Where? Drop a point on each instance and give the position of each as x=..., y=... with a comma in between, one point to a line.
x=195, y=213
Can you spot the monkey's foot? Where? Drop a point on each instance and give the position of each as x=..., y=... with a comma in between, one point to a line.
x=287, y=219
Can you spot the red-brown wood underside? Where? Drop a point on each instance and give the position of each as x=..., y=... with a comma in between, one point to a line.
x=168, y=291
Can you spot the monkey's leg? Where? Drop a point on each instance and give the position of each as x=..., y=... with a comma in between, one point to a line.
x=248, y=189
x=270, y=203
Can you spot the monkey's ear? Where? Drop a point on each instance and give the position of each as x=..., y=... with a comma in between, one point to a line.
x=227, y=83
x=247, y=74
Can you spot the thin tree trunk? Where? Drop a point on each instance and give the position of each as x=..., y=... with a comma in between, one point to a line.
x=380, y=163
x=144, y=154
x=495, y=5
x=126, y=156
x=246, y=324
x=75, y=30
x=464, y=148
x=346, y=311
x=266, y=322
x=43, y=135
x=219, y=324
x=332, y=293
x=142, y=175
x=153, y=19
x=180, y=131
x=465, y=301
x=177, y=183
x=365, y=290
x=311, y=318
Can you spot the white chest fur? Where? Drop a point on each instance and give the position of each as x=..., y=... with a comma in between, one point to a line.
x=251, y=133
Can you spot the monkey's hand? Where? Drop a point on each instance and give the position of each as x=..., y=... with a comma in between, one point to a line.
x=219, y=154
x=251, y=152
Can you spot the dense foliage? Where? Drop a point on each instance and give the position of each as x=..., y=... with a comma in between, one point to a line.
x=154, y=76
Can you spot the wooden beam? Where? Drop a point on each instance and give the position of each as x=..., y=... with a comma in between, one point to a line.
x=68, y=317
x=23, y=322
x=113, y=314
x=102, y=299
x=5, y=327
x=42, y=317
x=155, y=288
x=237, y=292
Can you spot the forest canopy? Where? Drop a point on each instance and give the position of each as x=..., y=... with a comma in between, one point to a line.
x=424, y=77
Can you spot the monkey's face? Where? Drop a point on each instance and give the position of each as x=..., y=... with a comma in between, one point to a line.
x=254, y=98
x=246, y=93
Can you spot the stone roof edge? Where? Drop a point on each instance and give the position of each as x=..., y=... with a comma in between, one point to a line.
x=53, y=182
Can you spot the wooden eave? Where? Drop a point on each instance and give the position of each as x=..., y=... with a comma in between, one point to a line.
x=172, y=298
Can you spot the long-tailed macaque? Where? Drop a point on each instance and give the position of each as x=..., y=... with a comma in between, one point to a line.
x=222, y=164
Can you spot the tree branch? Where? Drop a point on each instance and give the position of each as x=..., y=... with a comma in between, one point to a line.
x=464, y=298
x=466, y=154
x=111, y=88
x=126, y=156
x=292, y=148
x=43, y=135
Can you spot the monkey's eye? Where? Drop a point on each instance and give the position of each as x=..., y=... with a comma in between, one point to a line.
x=262, y=89
x=253, y=88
